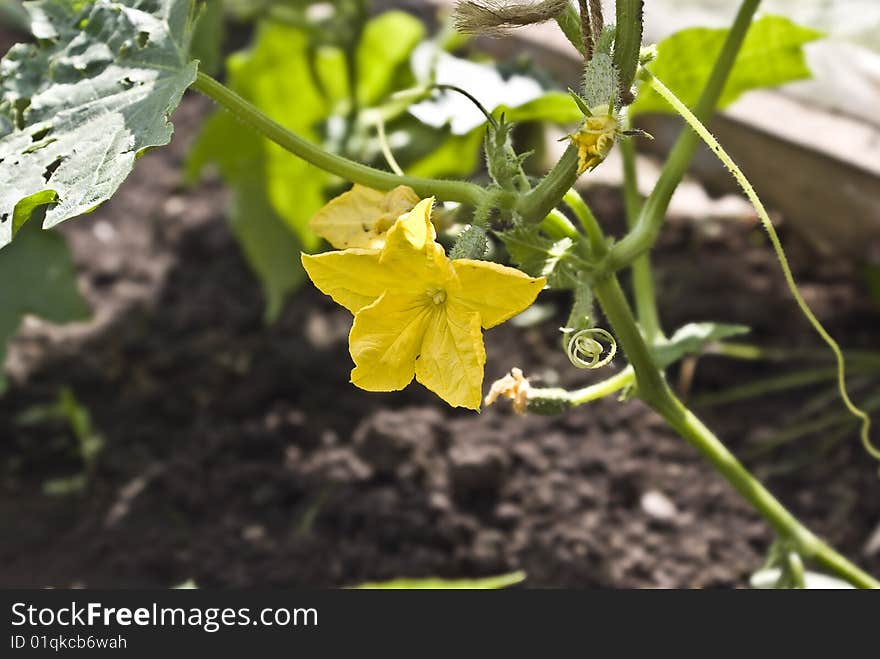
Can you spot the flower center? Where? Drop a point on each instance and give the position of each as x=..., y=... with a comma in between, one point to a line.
x=437, y=295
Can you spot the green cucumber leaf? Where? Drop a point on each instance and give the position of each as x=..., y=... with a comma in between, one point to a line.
x=772, y=54
x=37, y=276
x=692, y=338
x=78, y=107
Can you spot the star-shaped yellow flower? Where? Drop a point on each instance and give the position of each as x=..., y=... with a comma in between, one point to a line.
x=594, y=139
x=362, y=216
x=417, y=313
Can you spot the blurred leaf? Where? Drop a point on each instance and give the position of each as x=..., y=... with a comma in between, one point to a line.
x=37, y=276
x=189, y=584
x=12, y=13
x=454, y=155
x=555, y=107
x=70, y=138
x=487, y=583
x=208, y=37
x=692, y=338
x=771, y=55
x=483, y=81
x=66, y=485
x=387, y=42
x=271, y=248
x=768, y=578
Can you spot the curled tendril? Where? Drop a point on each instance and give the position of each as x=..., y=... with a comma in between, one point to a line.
x=585, y=348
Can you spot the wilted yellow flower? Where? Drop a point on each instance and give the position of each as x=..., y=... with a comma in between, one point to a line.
x=513, y=386
x=418, y=313
x=362, y=216
x=594, y=139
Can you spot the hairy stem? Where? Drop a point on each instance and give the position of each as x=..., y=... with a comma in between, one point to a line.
x=627, y=44
x=461, y=191
x=570, y=23
x=549, y=192
x=644, y=293
x=644, y=234
x=598, y=245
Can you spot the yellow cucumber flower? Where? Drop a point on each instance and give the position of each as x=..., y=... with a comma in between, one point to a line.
x=362, y=216
x=594, y=139
x=418, y=313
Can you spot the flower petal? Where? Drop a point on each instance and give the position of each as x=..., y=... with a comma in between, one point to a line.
x=495, y=291
x=386, y=339
x=418, y=261
x=353, y=278
x=362, y=216
x=412, y=231
x=453, y=356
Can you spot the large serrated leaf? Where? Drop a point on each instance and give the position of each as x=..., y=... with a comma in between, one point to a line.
x=772, y=54
x=79, y=106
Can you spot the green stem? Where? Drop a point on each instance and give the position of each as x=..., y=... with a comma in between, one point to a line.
x=588, y=221
x=644, y=293
x=606, y=387
x=653, y=389
x=645, y=232
x=557, y=226
x=460, y=191
x=569, y=22
x=627, y=44
x=549, y=192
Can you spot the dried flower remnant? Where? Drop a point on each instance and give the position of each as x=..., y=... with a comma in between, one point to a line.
x=513, y=386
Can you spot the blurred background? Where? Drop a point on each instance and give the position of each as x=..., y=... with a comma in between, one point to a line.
x=195, y=423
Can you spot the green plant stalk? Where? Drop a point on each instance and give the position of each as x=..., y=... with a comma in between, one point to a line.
x=644, y=293
x=627, y=43
x=595, y=236
x=460, y=191
x=606, y=387
x=569, y=21
x=642, y=237
x=654, y=390
x=549, y=192
x=557, y=226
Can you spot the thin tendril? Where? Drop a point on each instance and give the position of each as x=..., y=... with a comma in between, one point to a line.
x=585, y=351
x=728, y=162
x=471, y=98
x=386, y=147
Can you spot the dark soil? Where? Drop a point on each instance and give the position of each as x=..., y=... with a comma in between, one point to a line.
x=238, y=455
